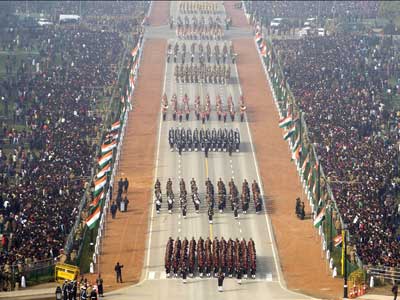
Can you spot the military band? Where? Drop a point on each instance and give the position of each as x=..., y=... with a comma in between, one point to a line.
x=233, y=257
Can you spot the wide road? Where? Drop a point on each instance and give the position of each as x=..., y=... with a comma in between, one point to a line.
x=243, y=165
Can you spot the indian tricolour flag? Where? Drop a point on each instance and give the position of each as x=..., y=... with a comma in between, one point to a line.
x=135, y=51
x=92, y=220
x=108, y=147
x=114, y=135
x=104, y=159
x=100, y=183
x=263, y=49
x=296, y=154
x=116, y=125
x=285, y=121
x=304, y=166
x=258, y=37
x=337, y=240
x=97, y=199
x=318, y=220
x=104, y=170
x=296, y=143
x=289, y=133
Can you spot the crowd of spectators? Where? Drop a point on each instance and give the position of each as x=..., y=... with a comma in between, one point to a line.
x=311, y=9
x=48, y=147
x=341, y=82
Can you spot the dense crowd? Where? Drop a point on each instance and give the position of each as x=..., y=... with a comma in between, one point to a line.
x=309, y=9
x=341, y=82
x=48, y=147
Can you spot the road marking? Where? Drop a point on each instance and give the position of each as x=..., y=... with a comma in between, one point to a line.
x=268, y=276
x=267, y=219
x=156, y=172
x=163, y=275
x=152, y=275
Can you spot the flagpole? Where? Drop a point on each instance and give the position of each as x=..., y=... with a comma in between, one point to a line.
x=344, y=262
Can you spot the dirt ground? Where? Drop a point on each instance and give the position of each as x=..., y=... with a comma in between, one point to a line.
x=298, y=246
x=125, y=236
x=237, y=15
x=159, y=13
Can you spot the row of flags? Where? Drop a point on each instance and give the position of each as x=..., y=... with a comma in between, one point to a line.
x=101, y=178
x=289, y=124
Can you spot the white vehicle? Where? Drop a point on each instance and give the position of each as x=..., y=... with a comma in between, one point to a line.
x=321, y=32
x=276, y=22
x=69, y=18
x=44, y=22
x=304, y=31
x=310, y=22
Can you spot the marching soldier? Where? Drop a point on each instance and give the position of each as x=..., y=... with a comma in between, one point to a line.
x=210, y=214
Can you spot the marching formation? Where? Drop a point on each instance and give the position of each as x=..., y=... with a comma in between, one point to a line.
x=205, y=61
x=199, y=28
x=208, y=257
x=181, y=139
x=181, y=110
x=200, y=53
x=198, y=7
x=223, y=198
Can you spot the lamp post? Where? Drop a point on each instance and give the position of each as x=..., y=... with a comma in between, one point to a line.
x=344, y=261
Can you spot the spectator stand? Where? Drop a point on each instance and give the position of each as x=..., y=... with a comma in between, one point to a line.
x=38, y=269
x=93, y=255
x=91, y=247
x=316, y=185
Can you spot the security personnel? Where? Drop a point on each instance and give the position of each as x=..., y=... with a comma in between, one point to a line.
x=158, y=205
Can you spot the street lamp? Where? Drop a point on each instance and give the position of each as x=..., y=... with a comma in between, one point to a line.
x=344, y=261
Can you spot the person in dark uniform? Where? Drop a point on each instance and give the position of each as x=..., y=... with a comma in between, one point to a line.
x=395, y=290
x=126, y=184
x=118, y=272
x=184, y=210
x=158, y=205
x=239, y=275
x=84, y=295
x=93, y=295
x=120, y=185
x=221, y=278
x=230, y=146
x=99, y=283
x=206, y=148
x=210, y=214
x=113, y=210
x=65, y=290
x=184, y=274
x=235, y=211
x=179, y=145
x=74, y=290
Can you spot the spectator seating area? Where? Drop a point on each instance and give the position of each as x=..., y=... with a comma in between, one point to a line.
x=51, y=114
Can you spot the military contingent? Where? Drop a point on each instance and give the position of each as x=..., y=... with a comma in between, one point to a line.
x=203, y=59
x=200, y=53
x=199, y=28
x=181, y=110
x=222, y=139
x=224, y=197
x=232, y=257
x=198, y=7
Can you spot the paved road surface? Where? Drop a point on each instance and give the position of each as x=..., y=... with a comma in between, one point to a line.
x=189, y=165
